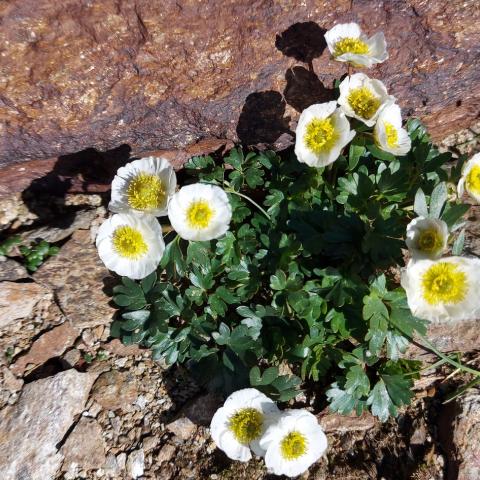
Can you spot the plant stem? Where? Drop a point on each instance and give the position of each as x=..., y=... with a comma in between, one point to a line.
x=231, y=190
x=430, y=346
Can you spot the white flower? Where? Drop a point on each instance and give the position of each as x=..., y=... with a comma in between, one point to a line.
x=130, y=245
x=347, y=43
x=362, y=97
x=143, y=186
x=322, y=133
x=388, y=132
x=470, y=180
x=426, y=237
x=445, y=289
x=293, y=443
x=240, y=423
x=200, y=212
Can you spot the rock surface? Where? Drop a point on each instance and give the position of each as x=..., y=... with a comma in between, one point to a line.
x=460, y=434
x=78, y=277
x=31, y=430
x=114, y=74
x=114, y=390
x=17, y=300
x=49, y=345
x=85, y=446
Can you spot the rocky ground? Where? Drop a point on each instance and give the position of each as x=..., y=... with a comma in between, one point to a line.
x=77, y=404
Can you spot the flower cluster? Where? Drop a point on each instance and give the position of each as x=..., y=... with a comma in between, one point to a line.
x=442, y=289
x=290, y=440
x=323, y=130
x=292, y=258
x=131, y=242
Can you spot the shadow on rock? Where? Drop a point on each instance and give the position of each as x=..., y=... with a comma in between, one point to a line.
x=88, y=171
x=303, y=41
x=304, y=88
x=262, y=119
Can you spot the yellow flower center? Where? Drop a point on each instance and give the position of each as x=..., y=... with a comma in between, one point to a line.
x=473, y=179
x=320, y=135
x=146, y=191
x=444, y=282
x=293, y=445
x=350, y=45
x=363, y=102
x=128, y=242
x=430, y=240
x=246, y=424
x=392, y=134
x=199, y=214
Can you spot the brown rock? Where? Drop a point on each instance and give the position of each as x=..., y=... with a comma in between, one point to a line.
x=10, y=270
x=78, y=277
x=336, y=423
x=166, y=453
x=49, y=345
x=116, y=347
x=447, y=337
x=459, y=430
x=114, y=390
x=11, y=382
x=18, y=300
x=84, y=446
x=182, y=428
x=154, y=77
x=31, y=430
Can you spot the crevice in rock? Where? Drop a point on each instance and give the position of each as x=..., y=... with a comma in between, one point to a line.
x=48, y=369
x=60, y=444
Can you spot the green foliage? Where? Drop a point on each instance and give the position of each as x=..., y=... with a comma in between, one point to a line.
x=32, y=255
x=309, y=283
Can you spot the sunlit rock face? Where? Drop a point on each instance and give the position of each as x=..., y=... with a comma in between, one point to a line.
x=88, y=74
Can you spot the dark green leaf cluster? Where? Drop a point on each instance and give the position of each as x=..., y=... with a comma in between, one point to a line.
x=305, y=281
x=32, y=255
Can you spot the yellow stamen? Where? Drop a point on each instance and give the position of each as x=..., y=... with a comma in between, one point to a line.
x=320, y=135
x=444, y=282
x=293, y=445
x=146, y=191
x=363, y=102
x=430, y=240
x=246, y=424
x=473, y=180
x=129, y=243
x=199, y=214
x=392, y=134
x=350, y=45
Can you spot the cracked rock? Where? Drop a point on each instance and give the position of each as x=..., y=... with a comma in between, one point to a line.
x=85, y=446
x=32, y=429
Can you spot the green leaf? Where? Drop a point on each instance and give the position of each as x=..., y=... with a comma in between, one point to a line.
x=420, y=205
x=453, y=213
x=380, y=154
x=340, y=401
x=459, y=243
x=437, y=200
x=148, y=282
x=357, y=383
x=278, y=281
x=356, y=150
x=380, y=402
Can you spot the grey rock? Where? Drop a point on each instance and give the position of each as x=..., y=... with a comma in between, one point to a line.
x=31, y=429
x=136, y=464
x=78, y=221
x=182, y=428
